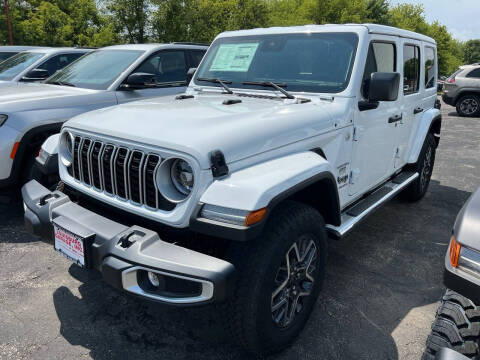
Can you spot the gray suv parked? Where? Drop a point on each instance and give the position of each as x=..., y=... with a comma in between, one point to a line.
x=462, y=90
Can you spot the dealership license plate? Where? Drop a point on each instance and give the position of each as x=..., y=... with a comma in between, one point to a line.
x=70, y=245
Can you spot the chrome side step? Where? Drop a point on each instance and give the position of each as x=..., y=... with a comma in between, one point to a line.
x=354, y=214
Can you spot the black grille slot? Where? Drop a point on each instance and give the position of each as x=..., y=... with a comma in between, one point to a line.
x=85, y=147
x=96, y=175
x=120, y=172
x=134, y=174
x=108, y=153
x=76, y=158
x=150, y=188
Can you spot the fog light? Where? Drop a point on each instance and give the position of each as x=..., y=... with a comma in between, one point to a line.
x=153, y=278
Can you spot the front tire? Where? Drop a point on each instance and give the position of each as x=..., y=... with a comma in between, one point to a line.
x=424, y=166
x=456, y=326
x=468, y=106
x=279, y=277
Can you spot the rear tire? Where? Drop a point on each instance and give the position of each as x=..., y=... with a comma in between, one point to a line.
x=456, y=326
x=424, y=167
x=294, y=239
x=468, y=106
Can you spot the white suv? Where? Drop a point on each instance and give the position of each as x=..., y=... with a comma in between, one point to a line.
x=284, y=137
x=30, y=113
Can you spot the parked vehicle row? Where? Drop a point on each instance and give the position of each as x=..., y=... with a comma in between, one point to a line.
x=226, y=188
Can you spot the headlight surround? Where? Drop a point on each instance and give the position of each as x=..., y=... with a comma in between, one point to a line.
x=469, y=261
x=175, y=180
x=3, y=119
x=66, y=148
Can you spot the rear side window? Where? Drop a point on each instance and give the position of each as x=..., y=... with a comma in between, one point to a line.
x=381, y=58
x=474, y=74
x=411, y=69
x=197, y=56
x=58, y=62
x=167, y=66
x=429, y=67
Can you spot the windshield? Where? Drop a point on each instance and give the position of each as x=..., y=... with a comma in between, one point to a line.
x=319, y=62
x=6, y=55
x=17, y=63
x=96, y=70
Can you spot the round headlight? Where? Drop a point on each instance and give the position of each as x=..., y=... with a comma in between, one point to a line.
x=66, y=148
x=175, y=180
x=182, y=176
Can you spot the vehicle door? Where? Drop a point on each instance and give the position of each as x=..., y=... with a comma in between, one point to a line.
x=375, y=134
x=170, y=70
x=415, y=98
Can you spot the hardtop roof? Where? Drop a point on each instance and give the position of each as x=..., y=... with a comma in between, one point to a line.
x=371, y=28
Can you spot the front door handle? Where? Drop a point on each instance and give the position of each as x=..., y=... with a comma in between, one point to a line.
x=395, y=119
x=418, y=110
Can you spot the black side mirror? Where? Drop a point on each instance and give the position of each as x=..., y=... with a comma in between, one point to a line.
x=190, y=74
x=36, y=75
x=139, y=81
x=383, y=87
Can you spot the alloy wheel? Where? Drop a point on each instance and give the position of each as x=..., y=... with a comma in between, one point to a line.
x=469, y=106
x=294, y=281
x=426, y=168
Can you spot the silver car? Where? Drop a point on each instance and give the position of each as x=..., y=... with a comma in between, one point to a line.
x=37, y=64
x=462, y=90
x=29, y=113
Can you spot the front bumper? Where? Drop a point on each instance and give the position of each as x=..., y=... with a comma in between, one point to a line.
x=124, y=255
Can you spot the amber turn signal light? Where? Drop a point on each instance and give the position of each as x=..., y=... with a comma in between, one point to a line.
x=455, y=248
x=256, y=216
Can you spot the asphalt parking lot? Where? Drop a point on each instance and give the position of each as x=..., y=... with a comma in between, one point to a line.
x=382, y=287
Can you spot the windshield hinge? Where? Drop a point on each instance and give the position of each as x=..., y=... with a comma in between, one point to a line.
x=355, y=134
x=218, y=164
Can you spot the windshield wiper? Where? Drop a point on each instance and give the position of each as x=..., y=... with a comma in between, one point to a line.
x=218, y=81
x=271, y=84
x=61, y=83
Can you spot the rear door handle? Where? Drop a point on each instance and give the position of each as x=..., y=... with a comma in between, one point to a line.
x=417, y=110
x=395, y=119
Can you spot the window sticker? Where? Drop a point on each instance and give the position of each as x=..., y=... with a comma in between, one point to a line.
x=234, y=57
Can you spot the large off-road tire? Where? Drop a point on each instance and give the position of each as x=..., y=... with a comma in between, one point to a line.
x=424, y=166
x=468, y=106
x=270, y=304
x=456, y=326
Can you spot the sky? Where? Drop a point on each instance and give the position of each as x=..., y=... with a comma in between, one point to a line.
x=462, y=17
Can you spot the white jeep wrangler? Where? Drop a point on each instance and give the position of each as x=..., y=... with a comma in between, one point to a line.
x=229, y=192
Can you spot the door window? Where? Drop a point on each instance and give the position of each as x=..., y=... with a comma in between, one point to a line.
x=58, y=62
x=381, y=58
x=411, y=69
x=197, y=56
x=167, y=66
x=429, y=67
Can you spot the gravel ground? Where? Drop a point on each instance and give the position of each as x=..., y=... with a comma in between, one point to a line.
x=382, y=286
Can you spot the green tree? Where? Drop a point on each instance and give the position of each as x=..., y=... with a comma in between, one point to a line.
x=472, y=51
x=131, y=18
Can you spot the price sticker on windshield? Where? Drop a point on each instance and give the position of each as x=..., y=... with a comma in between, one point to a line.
x=234, y=57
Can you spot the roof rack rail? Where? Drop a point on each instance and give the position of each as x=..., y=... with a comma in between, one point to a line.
x=189, y=43
x=86, y=47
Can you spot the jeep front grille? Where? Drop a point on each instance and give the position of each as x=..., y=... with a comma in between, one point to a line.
x=118, y=171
